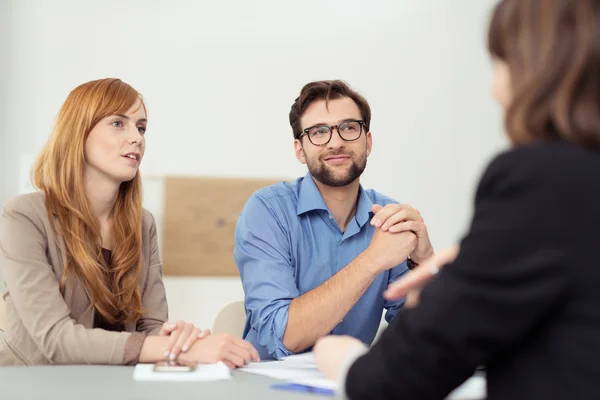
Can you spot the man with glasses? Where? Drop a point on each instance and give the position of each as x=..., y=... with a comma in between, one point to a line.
x=316, y=255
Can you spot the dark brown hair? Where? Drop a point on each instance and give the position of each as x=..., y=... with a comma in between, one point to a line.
x=552, y=49
x=326, y=90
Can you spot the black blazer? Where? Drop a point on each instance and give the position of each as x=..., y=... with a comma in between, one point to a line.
x=522, y=297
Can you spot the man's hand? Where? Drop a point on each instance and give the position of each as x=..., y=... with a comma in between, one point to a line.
x=390, y=249
x=397, y=218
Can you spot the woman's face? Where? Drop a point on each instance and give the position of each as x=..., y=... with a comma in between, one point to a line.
x=115, y=147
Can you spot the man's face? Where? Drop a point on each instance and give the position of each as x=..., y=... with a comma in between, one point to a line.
x=339, y=162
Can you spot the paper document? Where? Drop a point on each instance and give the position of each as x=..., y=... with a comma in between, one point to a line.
x=202, y=373
x=301, y=369
x=265, y=365
x=474, y=388
x=305, y=358
x=300, y=366
x=321, y=383
x=281, y=370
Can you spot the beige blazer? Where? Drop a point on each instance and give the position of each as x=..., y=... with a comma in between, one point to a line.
x=45, y=327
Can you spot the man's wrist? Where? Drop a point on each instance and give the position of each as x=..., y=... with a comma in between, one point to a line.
x=411, y=264
x=420, y=259
x=373, y=263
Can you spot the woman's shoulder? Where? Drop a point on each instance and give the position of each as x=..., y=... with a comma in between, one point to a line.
x=148, y=221
x=30, y=205
x=23, y=218
x=555, y=164
x=547, y=156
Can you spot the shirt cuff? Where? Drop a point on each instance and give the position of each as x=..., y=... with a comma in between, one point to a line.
x=133, y=347
x=345, y=366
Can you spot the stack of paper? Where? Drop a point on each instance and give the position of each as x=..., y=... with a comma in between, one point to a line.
x=321, y=383
x=302, y=369
x=301, y=359
x=202, y=373
x=473, y=389
x=301, y=366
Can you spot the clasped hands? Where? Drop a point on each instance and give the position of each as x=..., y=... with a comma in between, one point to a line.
x=188, y=343
x=401, y=232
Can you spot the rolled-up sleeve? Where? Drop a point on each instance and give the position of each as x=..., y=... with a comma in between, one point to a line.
x=262, y=254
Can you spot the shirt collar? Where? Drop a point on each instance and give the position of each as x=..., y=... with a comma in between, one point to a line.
x=310, y=199
x=363, y=209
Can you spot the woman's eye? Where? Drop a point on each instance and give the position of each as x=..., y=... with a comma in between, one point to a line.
x=142, y=130
x=117, y=124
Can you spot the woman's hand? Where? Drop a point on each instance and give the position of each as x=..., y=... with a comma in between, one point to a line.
x=182, y=336
x=410, y=285
x=331, y=351
x=232, y=351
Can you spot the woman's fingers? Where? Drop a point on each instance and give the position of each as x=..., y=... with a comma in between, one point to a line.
x=420, y=276
x=182, y=336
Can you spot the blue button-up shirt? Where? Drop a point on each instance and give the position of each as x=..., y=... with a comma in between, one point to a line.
x=286, y=244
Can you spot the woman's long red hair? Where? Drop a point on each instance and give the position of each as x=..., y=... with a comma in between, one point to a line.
x=59, y=172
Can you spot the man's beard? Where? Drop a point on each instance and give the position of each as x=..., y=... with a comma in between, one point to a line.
x=327, y=176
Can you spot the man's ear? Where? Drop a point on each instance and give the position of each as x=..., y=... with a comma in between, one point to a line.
x=299, y=150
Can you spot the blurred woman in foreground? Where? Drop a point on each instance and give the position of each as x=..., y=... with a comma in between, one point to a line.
x=521, y=294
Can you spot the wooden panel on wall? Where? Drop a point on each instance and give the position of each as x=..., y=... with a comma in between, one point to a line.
x=199, y=223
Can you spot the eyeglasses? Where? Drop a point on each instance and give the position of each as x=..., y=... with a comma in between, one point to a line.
x=320, y=135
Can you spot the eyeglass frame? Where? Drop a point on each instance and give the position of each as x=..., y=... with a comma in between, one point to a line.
x=361, y=123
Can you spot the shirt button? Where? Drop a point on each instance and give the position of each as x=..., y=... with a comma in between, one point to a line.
x=330, y=216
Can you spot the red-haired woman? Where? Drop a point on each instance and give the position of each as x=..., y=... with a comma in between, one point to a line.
x=80, y=257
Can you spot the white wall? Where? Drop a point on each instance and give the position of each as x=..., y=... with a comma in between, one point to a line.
x=219, y=78
x=5, y=179
x=5, y=183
